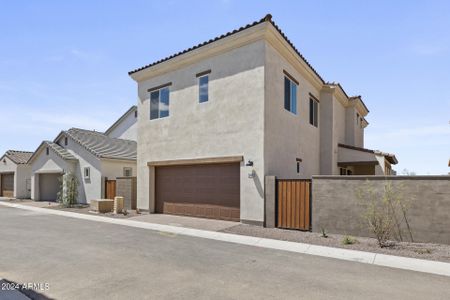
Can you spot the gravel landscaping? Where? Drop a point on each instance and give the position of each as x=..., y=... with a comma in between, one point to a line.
x=436, y=252
x=85, y=209
x=79, y=208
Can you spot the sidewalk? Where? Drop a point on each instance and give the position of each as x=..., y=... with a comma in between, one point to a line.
x=433, y=267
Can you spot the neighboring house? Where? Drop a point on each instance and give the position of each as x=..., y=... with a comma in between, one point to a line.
x=125, y=127
x=15, y=174
x=91, y=156
x=361, y=161
x=215, y=119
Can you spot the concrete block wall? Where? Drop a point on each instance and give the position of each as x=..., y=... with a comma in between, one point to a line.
x=126, y=188
x=336, y=207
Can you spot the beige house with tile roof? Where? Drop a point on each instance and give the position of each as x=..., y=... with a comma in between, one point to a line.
x=15, y=174
x=97, y=159
x=216, y=119
x=93, y=157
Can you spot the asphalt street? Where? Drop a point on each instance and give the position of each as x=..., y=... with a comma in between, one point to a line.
x=79, y=259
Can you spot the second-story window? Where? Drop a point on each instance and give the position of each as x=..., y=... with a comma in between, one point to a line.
x=290, y=95
x=313, y=112
x=203, y=88
x=159, y=103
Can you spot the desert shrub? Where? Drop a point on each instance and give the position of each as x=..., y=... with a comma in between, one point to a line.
x=349, y=240
x=324, y=232
x=385, y=212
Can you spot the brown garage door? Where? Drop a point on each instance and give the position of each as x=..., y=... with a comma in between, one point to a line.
x=208, y=191
x=7, y=185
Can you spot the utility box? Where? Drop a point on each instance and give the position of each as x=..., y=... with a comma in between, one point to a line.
x=102, y=205
x=118, y=205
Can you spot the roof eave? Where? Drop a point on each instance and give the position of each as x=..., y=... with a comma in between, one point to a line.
x=132, y=109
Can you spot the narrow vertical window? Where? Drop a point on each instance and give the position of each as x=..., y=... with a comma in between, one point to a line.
x=87, y=172
x=154, y=105
x=313, y=112
x=164, y=102
x=298, y=161
x=46, y=151
x=159, y=103
x=203, y=88
x=290, y=95
x=65, y=141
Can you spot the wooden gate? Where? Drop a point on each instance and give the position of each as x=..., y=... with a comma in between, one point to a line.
x=294, y=204
x=110, y=189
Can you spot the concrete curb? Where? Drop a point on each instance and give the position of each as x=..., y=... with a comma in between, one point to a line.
x=405, y=263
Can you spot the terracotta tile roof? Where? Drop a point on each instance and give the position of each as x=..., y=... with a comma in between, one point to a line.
x=18, y=157
x=267, y=18
x=102, y=145
x=60, y=151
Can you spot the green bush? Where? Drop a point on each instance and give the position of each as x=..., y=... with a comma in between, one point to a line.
x=349, y=240
x=68, y=192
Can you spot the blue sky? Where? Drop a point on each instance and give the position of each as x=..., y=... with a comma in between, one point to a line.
x=64, y=64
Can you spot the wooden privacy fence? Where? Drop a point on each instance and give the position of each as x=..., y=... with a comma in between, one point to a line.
x=110, y=189
x=294, y=203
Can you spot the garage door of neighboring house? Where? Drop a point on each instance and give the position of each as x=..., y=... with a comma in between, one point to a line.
x=7, y=185
x=49, y=187
x=208, y=191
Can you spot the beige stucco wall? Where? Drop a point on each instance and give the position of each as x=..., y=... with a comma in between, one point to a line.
x=336, y=208
x=346, y=155
x=288, y=136
x=44, y=164
x=327, y=139
x=114, y=168
x=230, y=123
x=88, y=188
x=126, y=129
x=354, y=134
x=22, y=182
x=22, y=177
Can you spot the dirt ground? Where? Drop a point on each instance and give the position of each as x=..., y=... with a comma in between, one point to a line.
x=436, y=252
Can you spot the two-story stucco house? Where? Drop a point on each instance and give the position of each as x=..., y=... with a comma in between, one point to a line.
x=15, y=174
x=217, y=118
x=95, y=158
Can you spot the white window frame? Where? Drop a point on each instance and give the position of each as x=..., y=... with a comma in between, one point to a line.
x=159, y=90
x=200, y=88
x=125, y=170
x=293, y=92
x=315, y=111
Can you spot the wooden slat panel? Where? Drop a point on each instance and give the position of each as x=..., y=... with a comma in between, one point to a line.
x=283, y=203
x=288, y=204
x=293, y=203
x=279, y=206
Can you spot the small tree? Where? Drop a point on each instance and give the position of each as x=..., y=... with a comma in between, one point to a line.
x=385, y=212
x=68, y=192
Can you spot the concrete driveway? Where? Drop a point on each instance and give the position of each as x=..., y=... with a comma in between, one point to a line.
x=92, y=260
